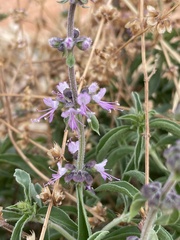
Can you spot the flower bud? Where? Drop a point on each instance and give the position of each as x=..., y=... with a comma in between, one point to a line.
x=149, y=190
x=55, y=42
x=83, y=43
x=76, y=32
x=155, y=200
x=79, y=176
x=68, y=43
x=172, y=155
x=171, y=201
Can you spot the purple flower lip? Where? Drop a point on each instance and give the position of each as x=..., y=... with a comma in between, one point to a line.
x=99, y=167
x=73, y=147
x=58, y=174
x=105, y=105
x=53, y=104
x=71, y=114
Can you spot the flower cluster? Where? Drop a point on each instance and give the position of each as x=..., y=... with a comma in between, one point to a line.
x=70, y=172
x=72, y=110
x=68, y=43
x=156, y=198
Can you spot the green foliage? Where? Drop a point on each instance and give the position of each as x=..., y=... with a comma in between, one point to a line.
x=70, y=60
x=94, y=124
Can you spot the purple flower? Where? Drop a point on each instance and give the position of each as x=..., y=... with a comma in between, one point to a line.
x=93, y=88
x=73, y=147
x=105, y=105
x=62, y=86
x=61, y=171
x=53, y=104
x=100, y=168
x=72, y=120
x=83, y=99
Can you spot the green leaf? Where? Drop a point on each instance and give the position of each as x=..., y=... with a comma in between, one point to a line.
x=137, y=203
x=157, y=160
x=123, y=232
x=23, y=178
x=139, y=176
x=17, y=231
x=139, y=150
x=84, y=230
x=59, y=217
x=132, y=117
x=34, y=194
x=106, y=142
x=11, y=215
x=166, y=125
x=169, y=218
x=70, y=60
x=117, y=154
x=119, y=187
x=5, y=145
x=98, y=235
x=163, y=234
x=94, y=124
x=137, y=102
x=17, y=161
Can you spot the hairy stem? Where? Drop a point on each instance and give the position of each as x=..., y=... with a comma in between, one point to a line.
x=148, y=226
x=73, y=85
x=146, y=93
x=71, y=71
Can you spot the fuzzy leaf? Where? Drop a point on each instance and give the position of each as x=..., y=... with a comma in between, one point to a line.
x=163, y=234
x=169, y=218
x=139, y=176
x=98, y=235
x=123, y=232
x=16, y=234
x=119, y=187
x=137, y=102
x=23, y=178
x=60, y=217
x=106, y=142
x=139, y=150
x=94, y=124
x=166, y=125
x=84, y=230
x=70, y=60
x=137, y=203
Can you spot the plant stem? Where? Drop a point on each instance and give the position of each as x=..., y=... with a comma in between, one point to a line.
x=116, y=221
x=73, y=85
x=148, y=224
x=71, y=71
x=146, y=93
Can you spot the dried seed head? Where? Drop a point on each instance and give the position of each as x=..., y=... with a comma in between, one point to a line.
x=155, y=20
x=45, y=195
x=134, y=25
x=58, y=195
x=107, y=13
x=100, y=211
x=56, y=153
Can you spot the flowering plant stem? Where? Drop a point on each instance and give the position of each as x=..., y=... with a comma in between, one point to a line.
x=83, y=225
